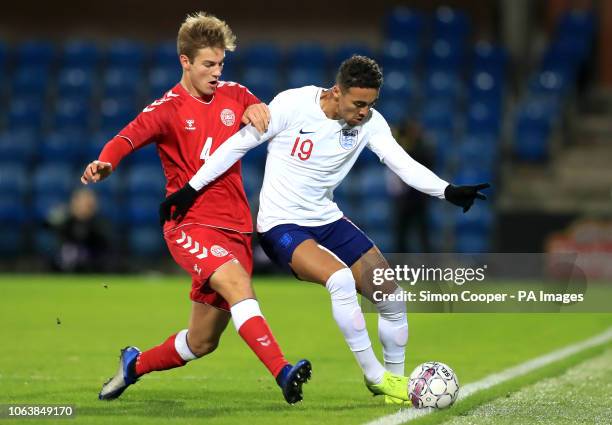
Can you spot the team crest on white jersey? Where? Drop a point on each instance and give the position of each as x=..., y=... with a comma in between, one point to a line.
x=228, y=117
x=348, y=138
x=218, y=251
x=189, y=125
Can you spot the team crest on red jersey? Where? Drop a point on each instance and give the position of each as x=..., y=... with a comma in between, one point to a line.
x=218, y=251
x=228, y=117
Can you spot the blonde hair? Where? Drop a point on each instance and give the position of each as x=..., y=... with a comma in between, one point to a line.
x=201, y=30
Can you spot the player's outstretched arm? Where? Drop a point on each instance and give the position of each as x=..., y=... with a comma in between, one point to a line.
x=424, y=180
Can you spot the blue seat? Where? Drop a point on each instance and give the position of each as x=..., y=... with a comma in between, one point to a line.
x=438, y=115
x=299, y=77
x=13, y=210
x=484, y=118
x=63, y=147
x=165, y=55
x=83, y=54
x=403, y=23
x=116, y=113
x=30, y=81
x=122, y=81
x=402, y=85
x=400, y=55
x=451, y=24
x=162, y=79
x=491, y=58
x=142, y=210
x=36, y=53
x=14, y=182
x=478, y=218
x=72, y=113
x=262, y=82
x=25, y=113
x=486, y=87
x=252, y=177
x=446, y=55
x=146, y=242
x=577, y=22
x=145, y=180
x=54, y=181
x=394, y=109
x=551, y=83
x=307, y=56
x=532, y=129
x=345, y=51
x=443, y=85
x=95, y=143
x=262, y=55
x=478, y=149
x=76, y=81
x=126, y=53
x=372, y=184
x=375, y=213
x=475, y=174
x=18, y=146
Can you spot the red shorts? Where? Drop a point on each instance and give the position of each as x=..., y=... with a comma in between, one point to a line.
x=200, y=250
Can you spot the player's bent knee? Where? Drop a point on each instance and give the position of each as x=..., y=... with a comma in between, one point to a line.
x=202, y=348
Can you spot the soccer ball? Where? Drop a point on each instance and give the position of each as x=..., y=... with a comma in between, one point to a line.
x=433, y=384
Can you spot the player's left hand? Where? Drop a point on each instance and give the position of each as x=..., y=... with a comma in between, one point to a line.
x=464, y=196
x=181, y=200
x=258, y=115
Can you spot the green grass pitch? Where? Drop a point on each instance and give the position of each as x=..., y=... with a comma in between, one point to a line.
x=61, y=337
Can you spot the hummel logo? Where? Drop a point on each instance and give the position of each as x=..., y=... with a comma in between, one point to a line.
x=306, y=132
x=264, y=340
x=190, y=125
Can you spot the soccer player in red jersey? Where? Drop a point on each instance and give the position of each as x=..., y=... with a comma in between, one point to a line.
x=212, y=242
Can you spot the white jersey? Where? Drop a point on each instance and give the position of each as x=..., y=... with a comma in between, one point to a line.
x=308, y=157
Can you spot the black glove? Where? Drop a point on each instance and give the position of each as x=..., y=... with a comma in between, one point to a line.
x=463, y=196
x=181, y=200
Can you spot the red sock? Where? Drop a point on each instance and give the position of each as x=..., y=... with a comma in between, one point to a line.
x=162, y=357
x=258, y=336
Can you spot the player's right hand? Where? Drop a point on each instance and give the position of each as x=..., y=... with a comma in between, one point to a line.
x=96, y=171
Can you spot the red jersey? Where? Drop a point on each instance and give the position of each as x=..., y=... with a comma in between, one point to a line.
x=187, y=130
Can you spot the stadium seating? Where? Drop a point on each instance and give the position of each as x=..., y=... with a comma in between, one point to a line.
x=82, y=54
x=63, y=102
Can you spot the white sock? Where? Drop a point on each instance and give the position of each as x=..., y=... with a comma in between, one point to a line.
x=181, y=346
x=350, y=320
x=243, y=311
x=393, y=333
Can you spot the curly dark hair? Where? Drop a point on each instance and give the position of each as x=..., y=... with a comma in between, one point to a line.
x=359, y=71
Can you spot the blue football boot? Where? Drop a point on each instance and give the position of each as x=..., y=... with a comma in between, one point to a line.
x=291, y=379
x=125, y=376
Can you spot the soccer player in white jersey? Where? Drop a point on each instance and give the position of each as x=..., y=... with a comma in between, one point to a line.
x=315, y=136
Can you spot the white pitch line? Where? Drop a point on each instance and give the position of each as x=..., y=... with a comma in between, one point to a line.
x=407, y=415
